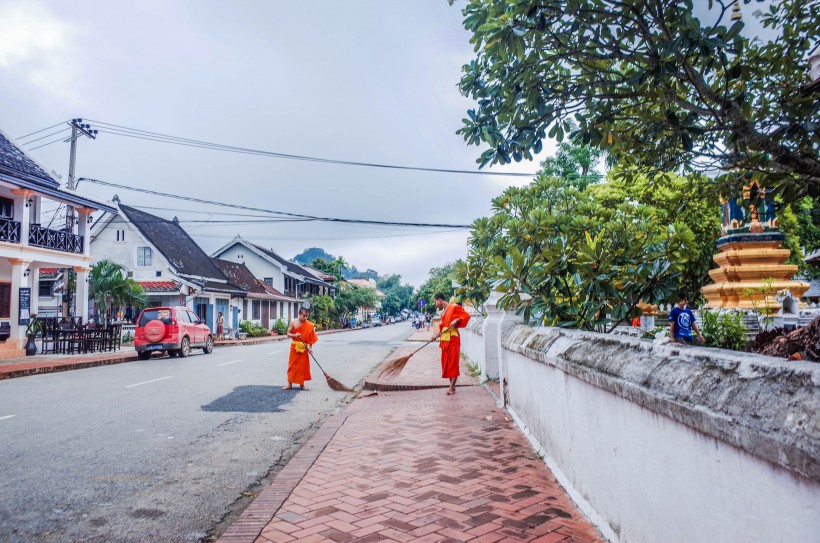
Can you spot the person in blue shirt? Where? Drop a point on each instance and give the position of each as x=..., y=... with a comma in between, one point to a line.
x=682, y=322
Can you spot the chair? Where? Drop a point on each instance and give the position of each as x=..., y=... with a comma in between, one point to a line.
x=49, y=337
x=5, y=330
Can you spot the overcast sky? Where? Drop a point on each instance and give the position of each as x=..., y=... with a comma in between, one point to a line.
x=372, y=81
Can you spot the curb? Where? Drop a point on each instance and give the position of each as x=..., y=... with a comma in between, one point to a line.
x=266, y=504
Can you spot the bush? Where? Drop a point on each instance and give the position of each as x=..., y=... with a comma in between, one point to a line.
x=724, y=330
x=280, y=326
x=253, y=330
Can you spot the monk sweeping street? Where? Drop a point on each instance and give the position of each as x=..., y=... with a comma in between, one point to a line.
x=303, y=334
x=453, y=318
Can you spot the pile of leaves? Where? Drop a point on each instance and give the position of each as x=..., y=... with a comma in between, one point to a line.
x=804, y=341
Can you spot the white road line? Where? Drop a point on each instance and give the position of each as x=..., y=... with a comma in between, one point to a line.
x=6, y=417
x=274, y=352
x=226, y=363
x=151, y=381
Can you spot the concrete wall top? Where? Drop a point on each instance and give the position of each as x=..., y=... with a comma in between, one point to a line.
x=768, y=407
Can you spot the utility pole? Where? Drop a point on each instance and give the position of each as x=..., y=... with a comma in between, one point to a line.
x=77, y=129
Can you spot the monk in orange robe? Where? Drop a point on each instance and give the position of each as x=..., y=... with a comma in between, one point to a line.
x=453, y=318
x=303, y=334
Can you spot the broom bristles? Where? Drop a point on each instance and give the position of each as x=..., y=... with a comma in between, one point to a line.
x=336, y=385
x=394, y=367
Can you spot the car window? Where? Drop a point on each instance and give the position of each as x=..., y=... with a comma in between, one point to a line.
x=193, y=316
x=182, y=316
x=148, y=315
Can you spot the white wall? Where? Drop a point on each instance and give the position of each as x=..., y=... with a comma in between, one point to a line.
x=106, y=246
x=642, y=476
x=257, y=265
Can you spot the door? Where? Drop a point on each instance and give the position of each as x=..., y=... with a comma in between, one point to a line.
x=235, y=321
x=221, y=307
x=266, y=314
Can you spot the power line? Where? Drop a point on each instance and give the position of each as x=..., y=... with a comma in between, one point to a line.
x=47, y=136
x=58, y=140
x=42, y=130
x=120, y=130
x=296, y=215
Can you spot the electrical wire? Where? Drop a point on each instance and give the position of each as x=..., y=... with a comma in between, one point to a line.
x=42, y=130
x=47, y=136
x=296, y=215
x=47, y=144
x=120, y=130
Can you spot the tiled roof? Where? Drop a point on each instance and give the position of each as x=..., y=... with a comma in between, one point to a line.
x=159, y=286
x=49, y=273
x=275, y=293
x=814, y=289
x=813, y=258
x=15, y=161
x=181, y=252
x=293, y=267
x=238, y=275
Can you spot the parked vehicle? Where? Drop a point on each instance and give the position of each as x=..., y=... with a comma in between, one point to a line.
x=174, y=330
x=376, y=320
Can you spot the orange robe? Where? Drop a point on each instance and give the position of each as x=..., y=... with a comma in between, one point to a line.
x=450, y=342
x=299, y=359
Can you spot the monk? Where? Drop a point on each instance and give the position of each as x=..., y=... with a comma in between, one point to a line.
x=303, y=334
x=453, y=318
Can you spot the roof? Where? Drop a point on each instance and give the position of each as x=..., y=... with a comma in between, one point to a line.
x=226, y=288
x=159, y=286
x=19, y=168
x=49, y=273
x=239, y=275
x=277, y=295
x=324, y=276
x=814, y=289
x=16, y=161
x=813, y=258
x=176, y=246
x=293, y=267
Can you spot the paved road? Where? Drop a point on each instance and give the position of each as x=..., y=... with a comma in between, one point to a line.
x=162, y=450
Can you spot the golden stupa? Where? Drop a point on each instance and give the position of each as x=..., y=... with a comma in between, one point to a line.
x=751, y=258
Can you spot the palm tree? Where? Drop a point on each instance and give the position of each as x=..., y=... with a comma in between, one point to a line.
x=110, y=285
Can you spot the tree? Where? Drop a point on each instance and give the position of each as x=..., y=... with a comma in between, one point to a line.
x=396, y=295
x=109, y=286
x=350, y=298
x=689, y=200
x=558, y=254
x=649, y=83
x=807, y=214
x=440, y=280
x=574, y=163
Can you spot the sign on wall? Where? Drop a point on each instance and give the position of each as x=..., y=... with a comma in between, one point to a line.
x=25, y=306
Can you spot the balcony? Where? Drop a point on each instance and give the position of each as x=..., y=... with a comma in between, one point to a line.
x=9, y=231
x=57, y=240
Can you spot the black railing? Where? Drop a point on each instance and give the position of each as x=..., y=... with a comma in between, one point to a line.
x=9, y=231
x=54, y=239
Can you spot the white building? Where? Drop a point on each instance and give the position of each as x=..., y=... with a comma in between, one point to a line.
x=27, y=246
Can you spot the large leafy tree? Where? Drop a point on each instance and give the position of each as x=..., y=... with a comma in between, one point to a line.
x=440, y=280
x=109, y=286
x=559, y=254
x=650, y=83
x=396, y=295
x=351, y=297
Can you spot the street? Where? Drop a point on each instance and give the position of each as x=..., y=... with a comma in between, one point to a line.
x=162, y=450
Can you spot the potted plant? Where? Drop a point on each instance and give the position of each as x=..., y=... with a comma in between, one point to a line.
x=34, y=327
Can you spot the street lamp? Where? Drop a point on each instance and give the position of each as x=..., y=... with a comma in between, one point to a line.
x=297, y=288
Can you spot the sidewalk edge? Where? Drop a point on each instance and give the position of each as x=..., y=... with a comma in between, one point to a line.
x=266, y=504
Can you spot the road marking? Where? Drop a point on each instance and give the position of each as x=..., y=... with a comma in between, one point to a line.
x=6, y=417
x=274, y=352
x=226, y=363
x=151, y=381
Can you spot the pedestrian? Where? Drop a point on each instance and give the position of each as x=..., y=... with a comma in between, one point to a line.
x=453, y=317
x=682, y=322
x=303, y=334
x=220, y=327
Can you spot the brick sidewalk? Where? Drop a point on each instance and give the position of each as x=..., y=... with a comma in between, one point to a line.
x=415, y=466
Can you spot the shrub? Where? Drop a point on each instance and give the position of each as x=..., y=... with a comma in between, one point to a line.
x=253, y=330
x=724, y=330
x=280, y=326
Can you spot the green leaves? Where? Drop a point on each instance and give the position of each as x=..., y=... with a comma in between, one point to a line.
x=649, y=83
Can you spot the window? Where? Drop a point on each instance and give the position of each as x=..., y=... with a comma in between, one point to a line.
x=5, y=300
x=144, y=255
x=149, y=315
x=256, y=309
x=45, y=289
x=6, y=208
x=159, y=273
x=120, y=235
x=192, y=317
x=269, y=281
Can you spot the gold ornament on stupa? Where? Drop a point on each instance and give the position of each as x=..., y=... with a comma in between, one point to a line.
x=751, y=258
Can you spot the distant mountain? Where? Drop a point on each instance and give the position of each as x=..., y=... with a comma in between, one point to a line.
x=307, y=256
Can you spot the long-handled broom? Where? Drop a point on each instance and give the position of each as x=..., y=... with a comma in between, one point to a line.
x=331, y=382
x=394, y=367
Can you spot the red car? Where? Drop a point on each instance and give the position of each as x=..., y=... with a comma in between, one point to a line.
x=175, y=330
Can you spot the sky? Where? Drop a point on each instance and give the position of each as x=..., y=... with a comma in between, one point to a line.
x=362, y=80
x=372, y=81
